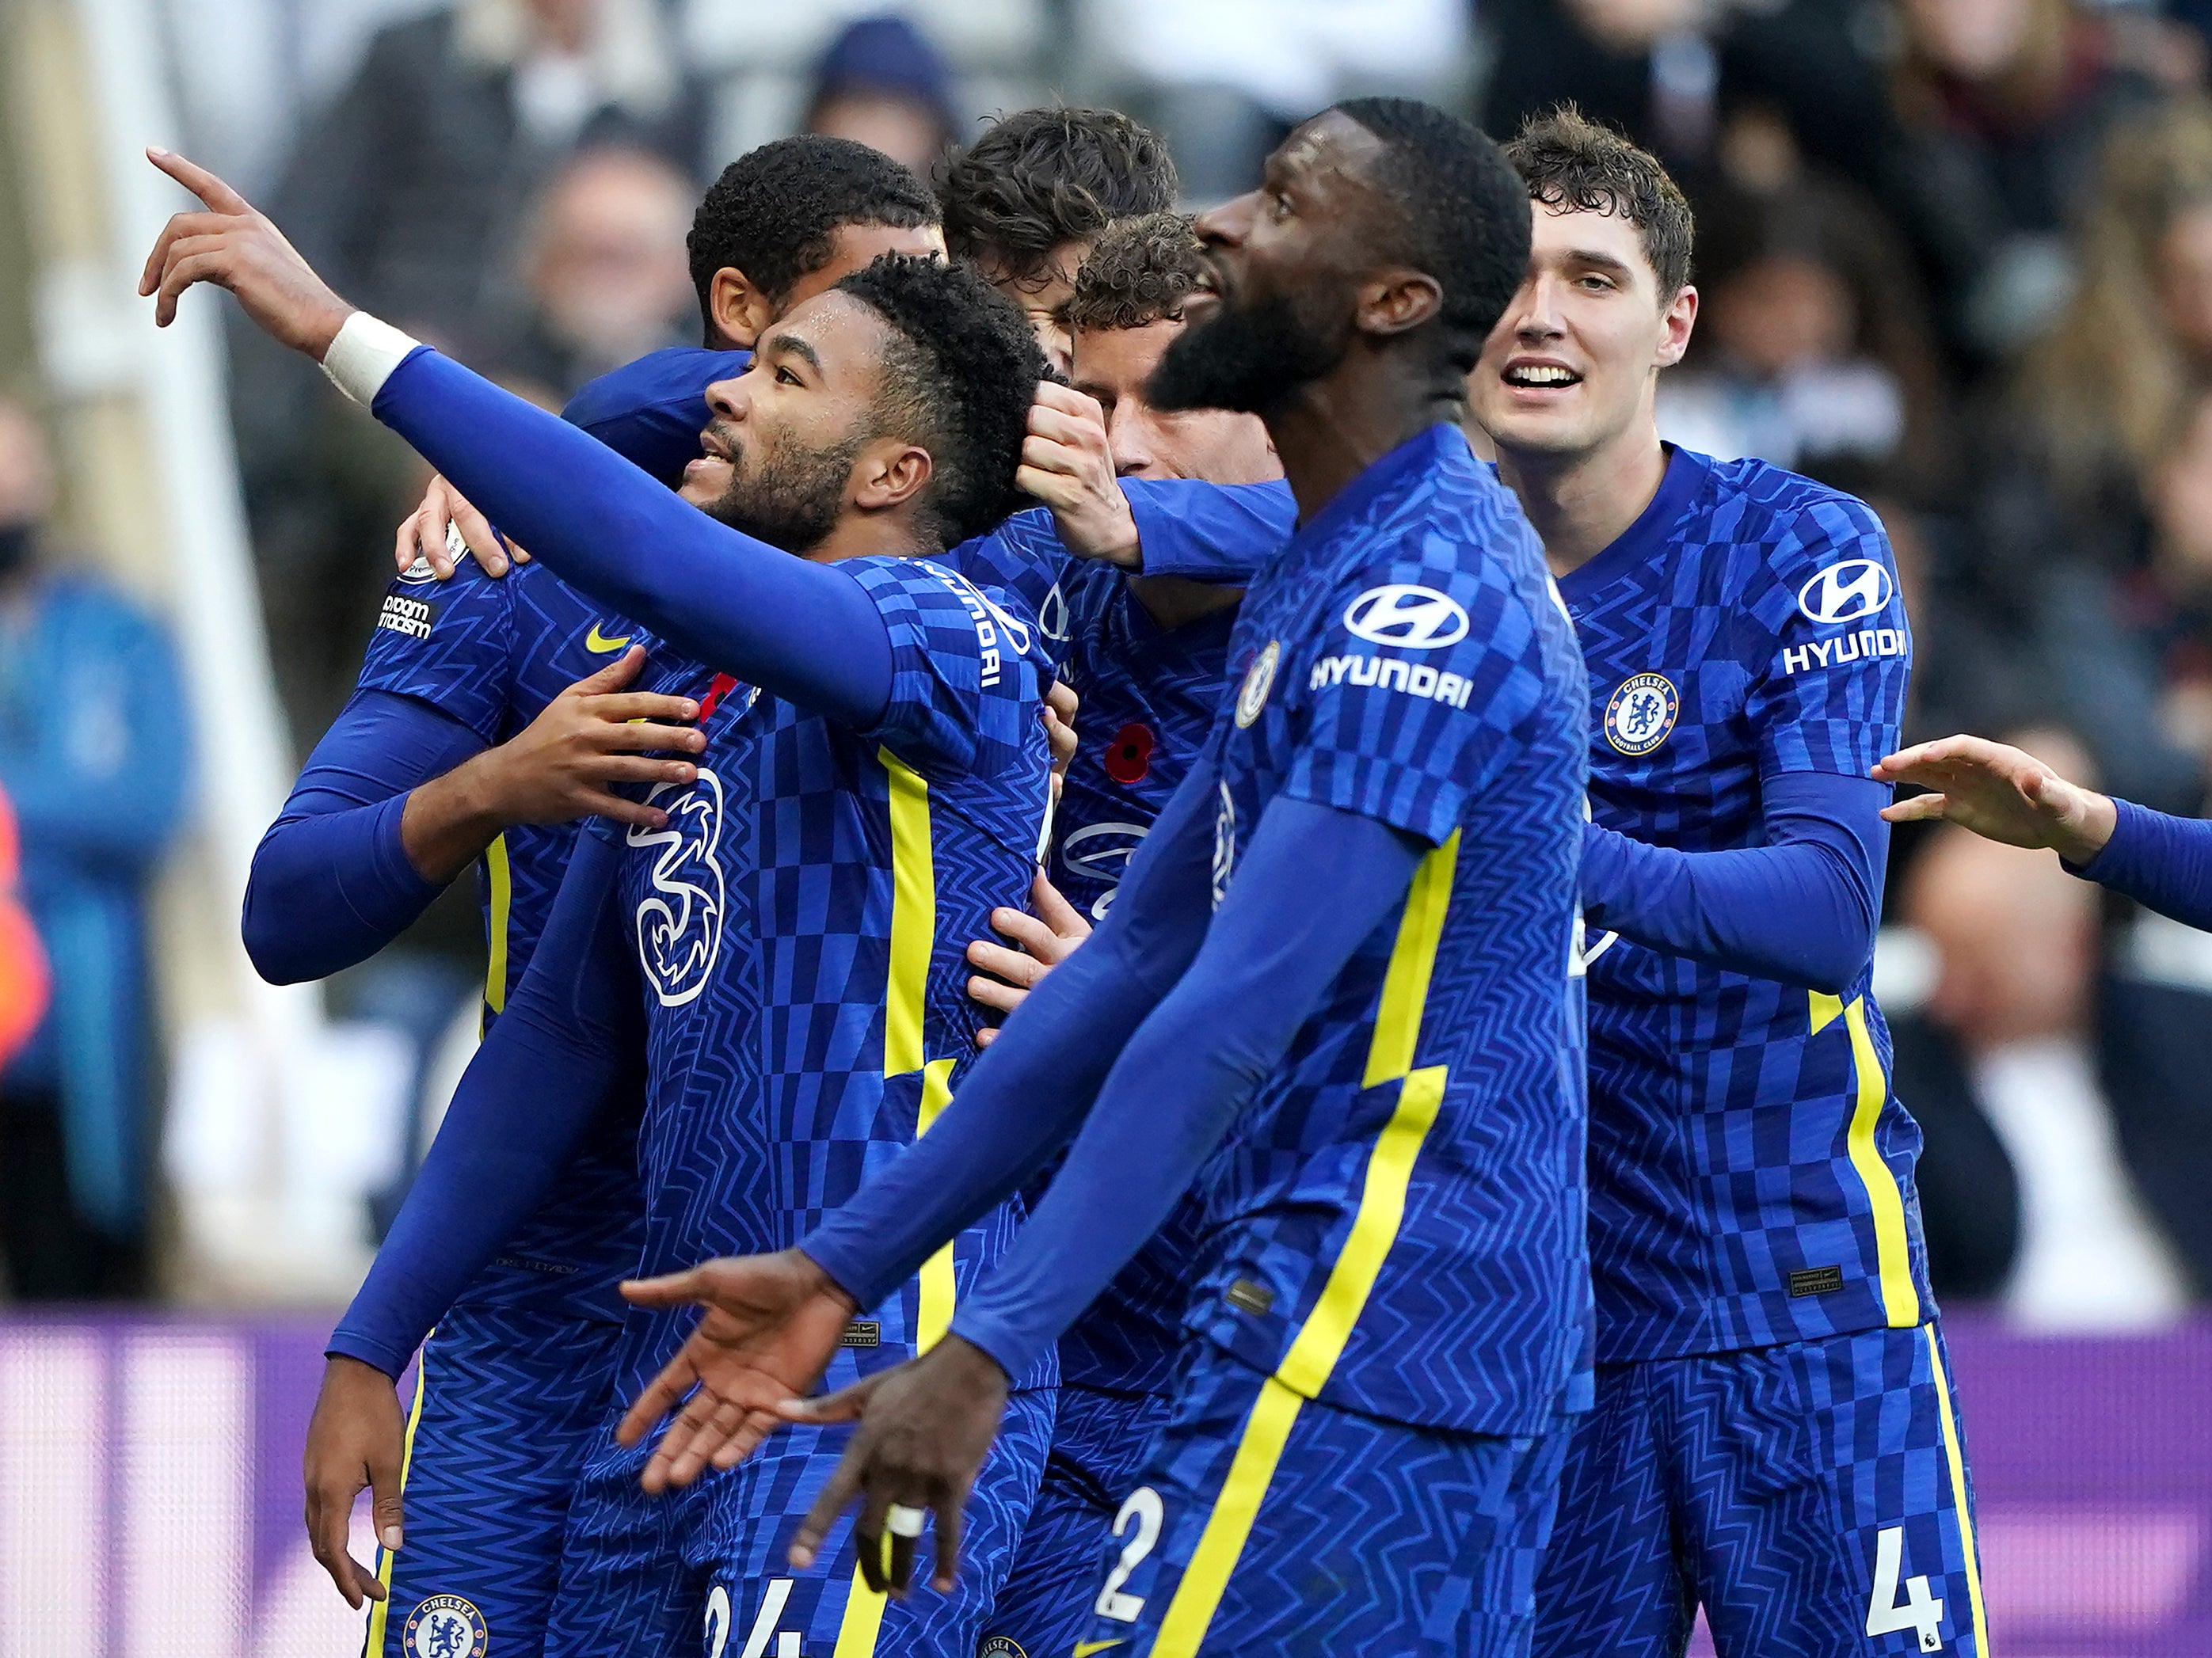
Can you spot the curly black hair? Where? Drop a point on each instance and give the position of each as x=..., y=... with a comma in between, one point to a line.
x=774, y=210
x=1461, y=213
x=1042, y=177
x=1569, y=160
x=1137, y=271
x=958, y=380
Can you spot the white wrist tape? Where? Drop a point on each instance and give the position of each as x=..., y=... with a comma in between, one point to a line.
x=364, y=353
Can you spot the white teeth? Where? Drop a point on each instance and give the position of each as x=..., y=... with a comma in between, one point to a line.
x=1540, y=374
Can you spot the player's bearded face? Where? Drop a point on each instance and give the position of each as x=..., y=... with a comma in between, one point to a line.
x=780, y=492
x=1249, y=356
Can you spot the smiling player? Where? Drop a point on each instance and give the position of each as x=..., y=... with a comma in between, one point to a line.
x=781, y=954
x=1775, y=1437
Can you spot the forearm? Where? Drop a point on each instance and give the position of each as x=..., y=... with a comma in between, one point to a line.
x=524, y=1105
x=2163, y=862
x=448, y=822
x=1269, y=958
x=331, y=884
x=1802, y=909
x=1220, y=533
x=798, y=629
x=329, y=891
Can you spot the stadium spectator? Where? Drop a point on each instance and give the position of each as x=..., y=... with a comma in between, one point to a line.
x=2005, y=104
x=2095, y=1086
x=413, y=188
x=882, y=83
x=2103, y=393
x=1669, y=72
x=25, y=981
x=1814, y=345
x=92, y=744
x=603, y=270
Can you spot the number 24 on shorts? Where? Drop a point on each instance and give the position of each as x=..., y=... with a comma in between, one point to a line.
x=763, y=1630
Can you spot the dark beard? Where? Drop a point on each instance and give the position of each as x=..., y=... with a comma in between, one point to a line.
x=793, y=499
x=1248, y=359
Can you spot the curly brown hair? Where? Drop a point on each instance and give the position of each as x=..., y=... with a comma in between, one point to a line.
x=1570, y=161
x=1138, y=271
x=1040, y=178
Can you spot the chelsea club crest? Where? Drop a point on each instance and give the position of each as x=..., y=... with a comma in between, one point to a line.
x=445, y=1626
x=1641, y=713
x=1259, y=680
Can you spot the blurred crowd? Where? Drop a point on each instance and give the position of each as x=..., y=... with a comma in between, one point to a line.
x=1955, y=256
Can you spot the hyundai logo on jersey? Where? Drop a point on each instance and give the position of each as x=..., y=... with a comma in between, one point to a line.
x=1417, y=618
x=1845, y=592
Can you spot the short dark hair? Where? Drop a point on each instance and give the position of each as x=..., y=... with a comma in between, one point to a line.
x=1569, y=160
x=774, y=210
x=1461, y=208
x=958, y=381
x=1138, y=271
x=1042, y=177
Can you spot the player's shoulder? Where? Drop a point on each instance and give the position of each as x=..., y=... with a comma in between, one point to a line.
x=933, y=607
x=1023, y=556
x=419, y=605
x=675, y=374
x=1792, y=523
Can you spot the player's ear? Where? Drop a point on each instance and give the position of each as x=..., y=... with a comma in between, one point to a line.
x=1675, y=331
x=737, y=309
x=1394, y=300
x=889, y=473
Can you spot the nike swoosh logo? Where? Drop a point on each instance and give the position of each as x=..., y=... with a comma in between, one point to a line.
x=599, y=644
x=1084, y=1648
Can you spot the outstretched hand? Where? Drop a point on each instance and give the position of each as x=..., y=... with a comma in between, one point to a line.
x=235, y=246
x=2001, y=793
x=771, y=1327
x=925, y=1427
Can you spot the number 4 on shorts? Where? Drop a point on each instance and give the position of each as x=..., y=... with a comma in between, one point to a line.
x=1885, y=1611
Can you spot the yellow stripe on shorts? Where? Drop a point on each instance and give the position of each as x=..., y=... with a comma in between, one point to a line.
x=1956, y=1458
x=1320, y=1343
x=379, y=1611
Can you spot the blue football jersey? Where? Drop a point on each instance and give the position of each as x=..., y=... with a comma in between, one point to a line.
x=1750, y=1175
x=491, y=654
x=1396, y=1223
x=800, y=926
x=1146, y=696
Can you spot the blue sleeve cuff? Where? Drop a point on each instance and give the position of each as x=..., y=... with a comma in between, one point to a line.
x=1209, y=532
x=351, y=1343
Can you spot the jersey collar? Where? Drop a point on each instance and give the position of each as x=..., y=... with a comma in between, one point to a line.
x=1424, y=449
x=1642, y=542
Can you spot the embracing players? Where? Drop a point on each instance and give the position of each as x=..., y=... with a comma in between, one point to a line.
x=1389, y=1323
x=467, y=737
x=782, y=954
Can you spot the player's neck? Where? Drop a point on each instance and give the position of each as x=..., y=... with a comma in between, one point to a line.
x=870, y=535
x=1330, y=430
x=1582, y=503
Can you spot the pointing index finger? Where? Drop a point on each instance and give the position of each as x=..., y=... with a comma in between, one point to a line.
x=201, y=183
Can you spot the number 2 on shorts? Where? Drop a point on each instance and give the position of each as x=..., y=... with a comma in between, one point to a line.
x=1145, y=1507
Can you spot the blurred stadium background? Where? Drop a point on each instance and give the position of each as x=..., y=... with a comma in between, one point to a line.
x=1956, y=256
